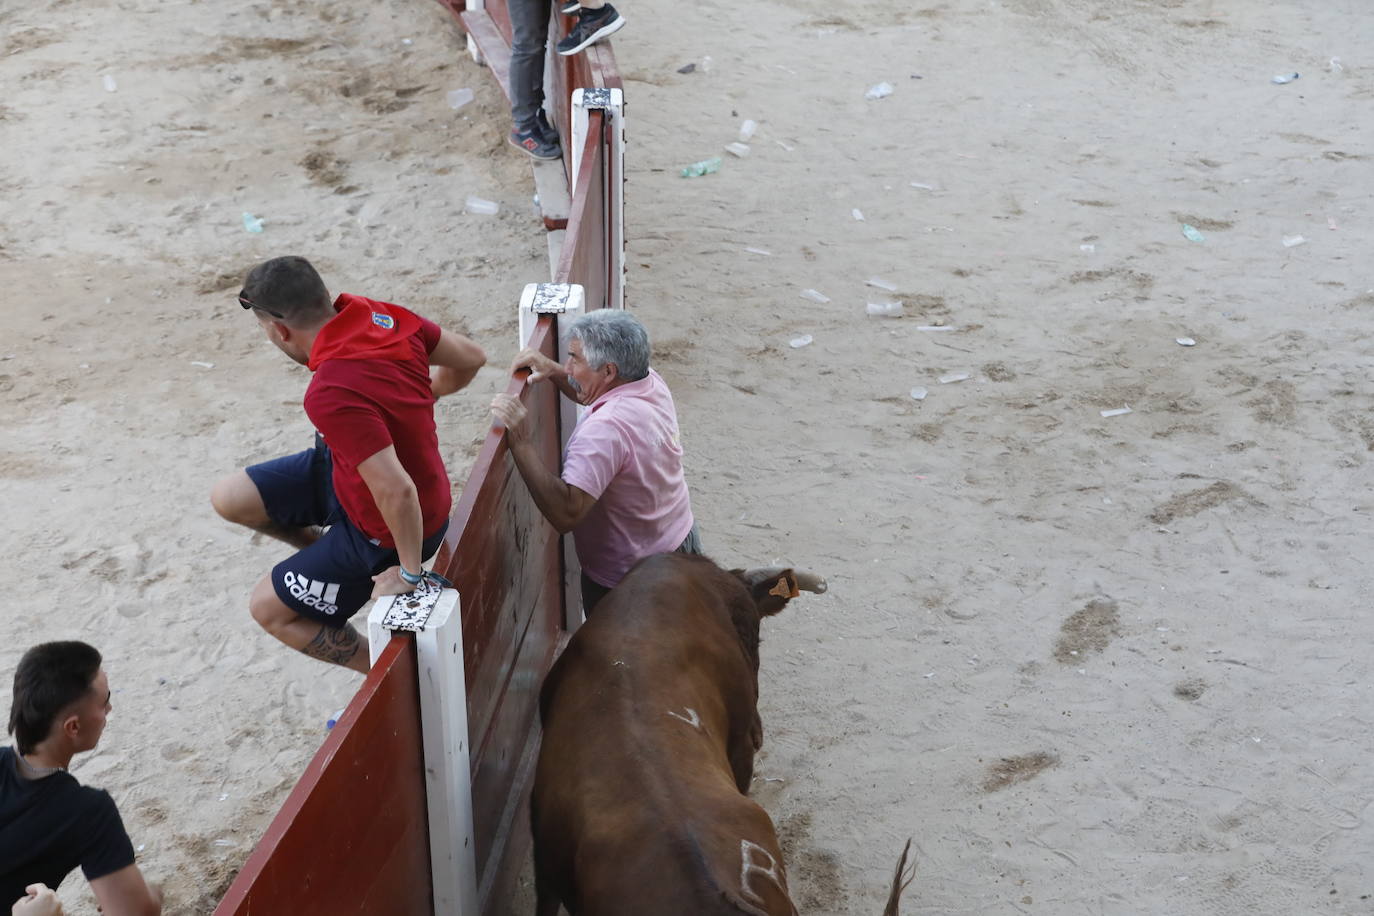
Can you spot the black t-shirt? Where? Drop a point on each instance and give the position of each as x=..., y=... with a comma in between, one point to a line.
x=51, y=825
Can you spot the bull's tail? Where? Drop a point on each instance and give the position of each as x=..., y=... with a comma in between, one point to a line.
x=901, y=878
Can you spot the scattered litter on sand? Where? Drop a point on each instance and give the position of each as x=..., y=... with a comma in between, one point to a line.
x=481, y=206
x=796, y=343
x=1116, y=411
x=815, y=296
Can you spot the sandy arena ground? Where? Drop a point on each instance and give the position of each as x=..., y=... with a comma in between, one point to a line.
x=1093, y=665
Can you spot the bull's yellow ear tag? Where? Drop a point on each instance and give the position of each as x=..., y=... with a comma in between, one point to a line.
x=783, y=590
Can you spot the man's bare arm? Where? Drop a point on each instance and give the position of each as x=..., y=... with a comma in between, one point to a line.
x=399, y=502
x=564, y=505
x=125, y=893
x=455, y=359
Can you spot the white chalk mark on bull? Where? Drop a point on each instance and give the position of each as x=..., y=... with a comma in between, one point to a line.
x=694, y=721
x=749, y=866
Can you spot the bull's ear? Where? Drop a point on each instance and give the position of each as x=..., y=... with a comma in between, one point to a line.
x=770, y=588
x=771, y=599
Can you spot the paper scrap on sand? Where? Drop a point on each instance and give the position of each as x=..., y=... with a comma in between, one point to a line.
x=1116, y=412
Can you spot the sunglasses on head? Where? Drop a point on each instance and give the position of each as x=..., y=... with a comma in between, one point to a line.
x=250, y=304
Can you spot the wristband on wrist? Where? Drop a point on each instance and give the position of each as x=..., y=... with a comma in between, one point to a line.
x=411, y=578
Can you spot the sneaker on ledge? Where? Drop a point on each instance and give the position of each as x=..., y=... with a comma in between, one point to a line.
x=591, y=27
x=529, y=140
x=546, y=130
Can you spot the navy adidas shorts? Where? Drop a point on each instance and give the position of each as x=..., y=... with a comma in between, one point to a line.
x=332, y=578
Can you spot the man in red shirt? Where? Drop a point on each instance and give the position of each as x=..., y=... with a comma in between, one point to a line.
x=374, y=480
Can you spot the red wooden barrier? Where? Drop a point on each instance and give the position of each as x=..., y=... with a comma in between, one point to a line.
x=506, y=562
x=344, y=841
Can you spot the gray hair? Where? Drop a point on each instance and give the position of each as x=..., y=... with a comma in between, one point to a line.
x=613, y=336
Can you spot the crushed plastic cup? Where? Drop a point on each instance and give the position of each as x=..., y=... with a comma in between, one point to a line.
x=1293, y=241
x=481, y=207
x=884, y=309
x=704, y=167
x=815, y=296
x=919, y=394
x=747, y=129
x=923, y=186
x=457, y=98
x=954, y=377
x=880, y=283
x=1285, y=78
x=251, y=223
x=878, y=91
x=109, y=83
x=796, y=343
x=1185, y=342
x=1087, y=248
x=738, y=150
x=1192, y=234
x=1116, y=411
x=857, y=214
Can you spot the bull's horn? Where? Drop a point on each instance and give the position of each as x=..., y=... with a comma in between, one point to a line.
x=806, y=581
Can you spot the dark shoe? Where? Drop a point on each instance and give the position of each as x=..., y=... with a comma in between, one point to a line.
x=592, y=26
x=546, y=130
x=529, y=140
x=568, y=9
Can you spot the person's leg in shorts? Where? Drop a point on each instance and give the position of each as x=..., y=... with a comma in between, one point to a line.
x=288, y=498
x=306, y=601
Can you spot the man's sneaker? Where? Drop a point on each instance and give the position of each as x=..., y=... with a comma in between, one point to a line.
x=592, y=26
x=546, y=130
x=530, y=140
x=568, y=9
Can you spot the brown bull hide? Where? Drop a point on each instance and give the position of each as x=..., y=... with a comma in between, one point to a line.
x=650, y=722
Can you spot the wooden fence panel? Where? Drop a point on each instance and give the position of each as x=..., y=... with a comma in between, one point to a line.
x=353, y=835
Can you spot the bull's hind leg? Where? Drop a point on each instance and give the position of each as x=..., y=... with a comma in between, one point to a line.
x=545, y=900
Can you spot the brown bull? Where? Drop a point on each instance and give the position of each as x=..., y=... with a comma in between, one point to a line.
x=650, y=726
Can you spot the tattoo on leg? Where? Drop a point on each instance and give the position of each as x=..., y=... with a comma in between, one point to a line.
x=337, y=645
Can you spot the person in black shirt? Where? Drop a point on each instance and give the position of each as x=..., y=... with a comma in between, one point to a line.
x=50, y=823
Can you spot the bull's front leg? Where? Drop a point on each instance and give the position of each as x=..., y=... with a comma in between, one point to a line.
x=740, y=753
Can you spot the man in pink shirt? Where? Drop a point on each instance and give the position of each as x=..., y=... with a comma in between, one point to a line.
x=622, y=492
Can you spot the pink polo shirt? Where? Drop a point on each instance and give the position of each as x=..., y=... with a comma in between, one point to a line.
x=627, y=453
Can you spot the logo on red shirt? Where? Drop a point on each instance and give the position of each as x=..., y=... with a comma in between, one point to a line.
x=383, y=321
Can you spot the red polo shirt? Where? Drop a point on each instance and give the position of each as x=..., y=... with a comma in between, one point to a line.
x=371, y=389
